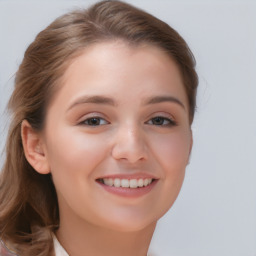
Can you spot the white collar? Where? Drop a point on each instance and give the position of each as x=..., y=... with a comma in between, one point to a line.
x=59, y=250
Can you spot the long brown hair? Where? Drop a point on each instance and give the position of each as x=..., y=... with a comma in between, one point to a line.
x=28, y=201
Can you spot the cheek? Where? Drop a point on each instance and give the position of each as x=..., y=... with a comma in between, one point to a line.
x=73, y=157
x=173, y=151
x=73, y=152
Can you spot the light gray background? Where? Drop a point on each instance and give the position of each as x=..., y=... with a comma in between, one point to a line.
x=215, y=213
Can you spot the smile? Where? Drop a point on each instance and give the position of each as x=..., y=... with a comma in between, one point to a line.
x=129, y=187
x=126, y=183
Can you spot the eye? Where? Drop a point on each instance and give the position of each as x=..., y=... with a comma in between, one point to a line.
x=94, y=121
x=161, y=121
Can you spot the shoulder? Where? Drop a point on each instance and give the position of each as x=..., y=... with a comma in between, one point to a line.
x=4, y=251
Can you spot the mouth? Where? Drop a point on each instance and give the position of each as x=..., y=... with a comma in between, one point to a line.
x=126, y=183
x=129, y=187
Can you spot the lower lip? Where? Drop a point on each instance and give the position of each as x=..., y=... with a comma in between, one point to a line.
x=129, y=192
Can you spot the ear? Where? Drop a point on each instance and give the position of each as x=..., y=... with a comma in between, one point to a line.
x=34, y=148
x=190, y=147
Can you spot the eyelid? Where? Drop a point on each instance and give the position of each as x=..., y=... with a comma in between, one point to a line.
x=91, y=116
x=162, y=114
x=170, y=121
x=166, y=116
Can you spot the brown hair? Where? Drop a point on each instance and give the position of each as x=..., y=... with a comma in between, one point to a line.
x=28, y=201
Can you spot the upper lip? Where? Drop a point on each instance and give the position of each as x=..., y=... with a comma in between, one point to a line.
x=128, y=176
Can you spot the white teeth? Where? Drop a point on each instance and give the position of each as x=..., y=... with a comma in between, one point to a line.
x=117, y=183
x=145, y=182
x=109, y=182
x=140, y=183
x=126, y=183
x=133, y=183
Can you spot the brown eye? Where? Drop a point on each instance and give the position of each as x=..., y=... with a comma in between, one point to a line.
x=94, y=121
x=158, y=120
x=161, y=121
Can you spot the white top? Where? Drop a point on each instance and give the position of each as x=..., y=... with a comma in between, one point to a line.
x=59, y=250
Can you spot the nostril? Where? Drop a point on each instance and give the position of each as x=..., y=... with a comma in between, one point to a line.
x=129, y=150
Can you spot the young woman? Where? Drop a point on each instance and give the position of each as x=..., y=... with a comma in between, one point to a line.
x=100, y=136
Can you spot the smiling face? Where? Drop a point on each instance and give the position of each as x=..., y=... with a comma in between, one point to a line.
x=117, y=137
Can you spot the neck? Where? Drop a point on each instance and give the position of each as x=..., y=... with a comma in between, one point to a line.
x=89, y=239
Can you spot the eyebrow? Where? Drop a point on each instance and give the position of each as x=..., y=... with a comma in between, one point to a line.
x=160, y=99
x=97, y=99
x=93, y=99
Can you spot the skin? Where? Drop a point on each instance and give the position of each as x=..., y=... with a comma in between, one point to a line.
x=128, y=140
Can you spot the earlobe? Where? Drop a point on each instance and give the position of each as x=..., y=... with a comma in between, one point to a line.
x=33, y=148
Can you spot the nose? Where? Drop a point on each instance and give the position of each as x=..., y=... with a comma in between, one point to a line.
x=130, y=145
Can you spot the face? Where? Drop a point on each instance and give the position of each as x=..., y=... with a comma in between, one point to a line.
x=117, y=137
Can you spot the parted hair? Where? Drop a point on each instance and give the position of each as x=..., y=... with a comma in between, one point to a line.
x=28, y=202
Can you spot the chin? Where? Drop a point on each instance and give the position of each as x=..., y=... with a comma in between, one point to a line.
x=126, y=228
x=129, y=223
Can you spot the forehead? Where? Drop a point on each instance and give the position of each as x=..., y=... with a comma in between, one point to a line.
x=107, y=67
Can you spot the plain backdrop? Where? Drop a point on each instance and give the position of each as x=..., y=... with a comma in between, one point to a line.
x=215, y=213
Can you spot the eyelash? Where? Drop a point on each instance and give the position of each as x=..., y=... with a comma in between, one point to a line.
x=98, y=121
x=164, y=121
x=95, y=118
